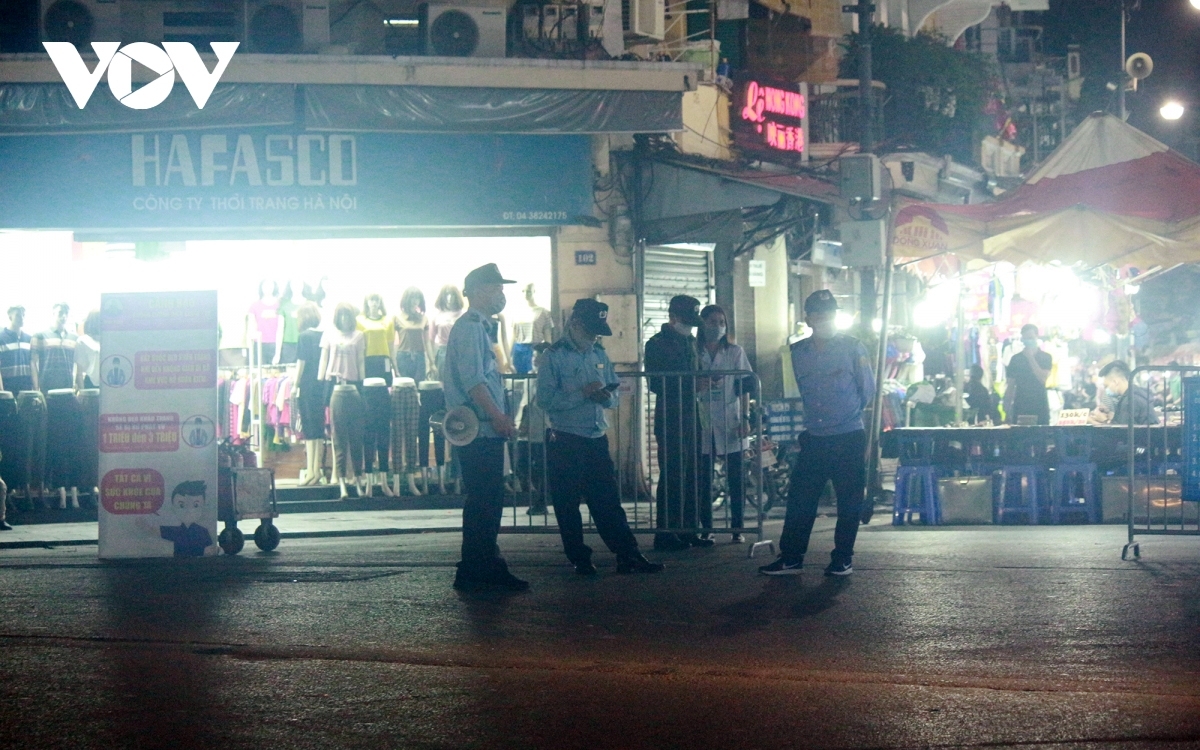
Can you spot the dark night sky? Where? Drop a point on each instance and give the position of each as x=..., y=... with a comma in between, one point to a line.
x=1167, y=30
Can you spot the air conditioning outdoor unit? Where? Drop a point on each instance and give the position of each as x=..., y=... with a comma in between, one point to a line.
x=193, y=21
x=286, y=26
x=644, y=18
x=464, y=31
x=80, y=22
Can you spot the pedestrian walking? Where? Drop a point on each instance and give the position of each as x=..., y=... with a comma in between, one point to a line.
x=472, y=378
x=576, y=383
x=676, y=423
x=836, y=383
x=724, y=417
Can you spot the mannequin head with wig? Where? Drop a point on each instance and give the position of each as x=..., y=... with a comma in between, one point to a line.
x=449, y=299
x=345, y=318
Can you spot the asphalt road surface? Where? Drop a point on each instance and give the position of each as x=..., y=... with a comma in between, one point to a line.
x=981, y=637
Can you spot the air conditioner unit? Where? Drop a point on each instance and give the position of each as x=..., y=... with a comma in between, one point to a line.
x=193, y=21
x=80, y=22
x=464, y=31
x=286, y=26
x=644, y=18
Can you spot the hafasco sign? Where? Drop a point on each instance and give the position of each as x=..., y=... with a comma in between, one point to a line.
x=776, y=114
x=921, y=230
x=166, y=61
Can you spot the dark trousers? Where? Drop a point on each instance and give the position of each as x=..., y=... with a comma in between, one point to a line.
x=378, y=432
x=677, y=494
x=483, y=479
x=734, y=489
x=581, y=469
x=431, y=403
x=839, y=458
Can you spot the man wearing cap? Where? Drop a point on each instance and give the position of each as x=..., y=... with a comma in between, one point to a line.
x=835, y=380
x=576, y=383
x=472, y=379
x=676, y=423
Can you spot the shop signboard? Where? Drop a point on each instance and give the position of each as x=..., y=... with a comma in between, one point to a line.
x=919, y=231
x=266, y=178
x=158, y=447
x=770, y=116
x=1191, y=438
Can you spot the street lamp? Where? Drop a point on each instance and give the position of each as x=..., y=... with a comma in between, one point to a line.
x=1173, y=110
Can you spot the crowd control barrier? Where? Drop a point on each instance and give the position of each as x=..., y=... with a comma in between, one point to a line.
x=679, y=466
x=1162, y=470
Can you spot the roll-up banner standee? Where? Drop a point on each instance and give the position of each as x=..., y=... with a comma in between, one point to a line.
x=158, y=446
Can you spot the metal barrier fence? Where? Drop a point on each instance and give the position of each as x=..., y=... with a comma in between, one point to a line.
x=1163, y=411
x=690, y=466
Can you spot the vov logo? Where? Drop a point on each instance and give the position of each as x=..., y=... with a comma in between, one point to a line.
x=166, y=61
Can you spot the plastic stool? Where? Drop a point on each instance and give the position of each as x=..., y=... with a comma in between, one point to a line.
x=1028, y=503
x=925, y=480
x=1061, y=502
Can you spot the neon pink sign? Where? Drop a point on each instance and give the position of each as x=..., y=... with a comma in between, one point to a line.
x=770, y=109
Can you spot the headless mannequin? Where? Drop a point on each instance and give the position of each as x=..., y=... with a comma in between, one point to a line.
x=313, y=447
x=59, y=332
x=373, y=311
x=262, y=321
x=347, y=328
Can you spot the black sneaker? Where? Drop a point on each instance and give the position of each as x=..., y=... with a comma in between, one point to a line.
x=700, y=541
x=636, y=563
x=585, y=568
x=839, y=569
x=782, y=567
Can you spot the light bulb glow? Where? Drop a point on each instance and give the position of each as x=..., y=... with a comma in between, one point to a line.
x=1171, y=110
x=843, y=320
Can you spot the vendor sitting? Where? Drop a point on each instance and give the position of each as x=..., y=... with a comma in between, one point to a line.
x=1129, y=400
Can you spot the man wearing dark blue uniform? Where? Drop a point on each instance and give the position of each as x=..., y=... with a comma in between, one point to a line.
x=471, y=378
x=576, y=383
x=835, y=380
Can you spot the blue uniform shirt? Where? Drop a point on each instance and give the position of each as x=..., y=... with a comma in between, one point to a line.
x=836, y=384
x=469, y=362
x=562, y=374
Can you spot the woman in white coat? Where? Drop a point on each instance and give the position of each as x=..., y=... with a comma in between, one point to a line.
x=724, y=416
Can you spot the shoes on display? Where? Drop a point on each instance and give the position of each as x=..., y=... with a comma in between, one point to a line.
x=737, y=539
x=636, y=563
x=585, y=568
x=782, y=567
x=669, y=543
x=839, y=568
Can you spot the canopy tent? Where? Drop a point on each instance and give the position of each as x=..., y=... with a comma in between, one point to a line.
x=1109, y=194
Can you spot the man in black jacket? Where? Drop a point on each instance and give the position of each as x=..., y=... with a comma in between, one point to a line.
x=676, y=423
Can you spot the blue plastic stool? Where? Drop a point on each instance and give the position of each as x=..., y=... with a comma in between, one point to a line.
x=1028, y=501
x=1064, y=479
x=924, y=480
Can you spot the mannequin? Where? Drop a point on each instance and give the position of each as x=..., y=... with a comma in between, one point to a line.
x=54, y=353
x=31, y=424
x=414, y=354
x=64, y=443
x=11, y=471
x=380, y=333
x=89, y=464
x=289, y=332
x=378, y=403
x=448, y=306
x=262, y=320
x=343, y=364
x=433, y=400
x=535, y=327
x=87, y=353
x=406, y=415
x=310, y=390
x=16, y=357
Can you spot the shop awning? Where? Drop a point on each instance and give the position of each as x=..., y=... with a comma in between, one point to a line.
x=1109, y=195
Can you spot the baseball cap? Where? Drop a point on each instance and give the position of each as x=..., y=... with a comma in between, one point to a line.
x=486, y=274
x=820, y=301
x=593, y=316
x=686, y=308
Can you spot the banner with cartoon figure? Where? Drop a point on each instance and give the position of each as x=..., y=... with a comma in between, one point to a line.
x=158, y=447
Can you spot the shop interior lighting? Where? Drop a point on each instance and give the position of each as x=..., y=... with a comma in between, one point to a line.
x=939, y=305
x=401, y=22
x=1101, y=337
x=877, y=325
x=843, y=321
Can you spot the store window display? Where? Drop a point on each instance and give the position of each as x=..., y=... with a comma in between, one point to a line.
x=414, y=352
x=534, y=326
x=54, y=353
x=380, y=333
x=16, y=355
x=289, y=331
x=310, y=391
x=449, y=308
x=343, y=364
x=262, y=319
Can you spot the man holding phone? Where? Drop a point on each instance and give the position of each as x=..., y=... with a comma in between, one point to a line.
x=575, y=384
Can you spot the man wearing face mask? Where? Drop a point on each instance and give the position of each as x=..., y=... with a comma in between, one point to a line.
x=576, y=383
x=676, y=424
x=836, y=383
x=472, y=378
x=1131, y=403
x=1028, y=370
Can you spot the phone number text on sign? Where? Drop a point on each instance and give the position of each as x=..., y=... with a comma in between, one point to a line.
x=132, y=491
x=175, y=369
x=139, y=433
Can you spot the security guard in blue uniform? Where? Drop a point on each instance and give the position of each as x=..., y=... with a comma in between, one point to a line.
x=471, y=378
x=576, y=383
